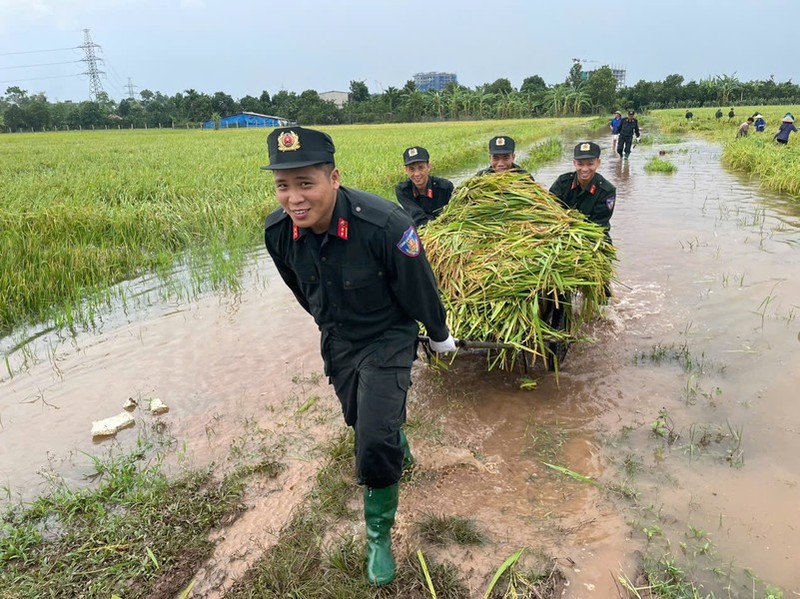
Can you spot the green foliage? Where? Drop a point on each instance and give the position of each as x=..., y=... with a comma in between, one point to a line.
x=659, y=165
x=135, y=533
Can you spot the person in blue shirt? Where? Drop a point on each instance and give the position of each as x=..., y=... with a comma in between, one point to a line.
x=760, y=123
x=787, y=126
x=614, y=124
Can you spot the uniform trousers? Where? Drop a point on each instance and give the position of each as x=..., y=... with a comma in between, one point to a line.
x=371, y=380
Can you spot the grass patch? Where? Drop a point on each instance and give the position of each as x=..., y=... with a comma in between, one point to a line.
x=136, y=533
x=546, y=151
x=659, y=165
x=444, y=530
x=306, y=563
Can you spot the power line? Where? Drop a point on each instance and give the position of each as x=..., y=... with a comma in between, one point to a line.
x=42, y=64
x=39, y=51
x=38, y=78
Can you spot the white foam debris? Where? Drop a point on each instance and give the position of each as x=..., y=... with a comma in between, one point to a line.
x=110, y=426
x=130, y=404
x=157, y=406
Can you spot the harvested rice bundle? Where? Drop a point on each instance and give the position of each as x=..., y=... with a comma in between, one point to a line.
x=508, y=256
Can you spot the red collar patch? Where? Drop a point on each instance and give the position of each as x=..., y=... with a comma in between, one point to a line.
x=428, y=192
x=295, y=232
x=342, y=229
x=592, y=189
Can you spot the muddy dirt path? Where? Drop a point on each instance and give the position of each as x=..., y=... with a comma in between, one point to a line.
x=685, y=399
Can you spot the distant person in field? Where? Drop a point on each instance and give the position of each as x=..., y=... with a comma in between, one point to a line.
x=731, y=114
x=614, y=124
x=689, y=115
x=627, y=128
x=786, y=127
x=501, y=157
x=422, y=195
x=759, y=123
x=718, y=114
x=744, y=128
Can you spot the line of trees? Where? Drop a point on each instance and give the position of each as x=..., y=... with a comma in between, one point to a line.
x=581, y=93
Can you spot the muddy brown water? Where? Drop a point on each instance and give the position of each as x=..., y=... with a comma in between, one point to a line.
x=707, y=273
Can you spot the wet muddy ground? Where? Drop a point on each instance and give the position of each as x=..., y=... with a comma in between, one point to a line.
x=685, y=401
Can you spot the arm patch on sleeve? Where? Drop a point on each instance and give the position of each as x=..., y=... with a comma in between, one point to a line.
x=409, y=244
x=610, y=202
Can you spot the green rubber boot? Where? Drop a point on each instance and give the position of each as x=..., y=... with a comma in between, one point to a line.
x=408, y=459
x=380, y=506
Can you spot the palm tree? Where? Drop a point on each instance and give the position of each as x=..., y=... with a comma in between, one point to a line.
x=578, y=100
x=726, y=85
x=555, y=100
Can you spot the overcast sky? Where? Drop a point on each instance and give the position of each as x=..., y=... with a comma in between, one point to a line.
x=242, y=47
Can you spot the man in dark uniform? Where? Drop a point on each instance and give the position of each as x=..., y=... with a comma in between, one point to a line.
x=501, y=157
x=627, y=128
x=422, y=195
x=355, y=263
x=587, y=191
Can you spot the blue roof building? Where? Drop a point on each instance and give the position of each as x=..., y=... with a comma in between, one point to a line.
x=248, y=119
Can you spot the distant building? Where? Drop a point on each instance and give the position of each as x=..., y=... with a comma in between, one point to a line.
x=618, y=72
x=433, y=81
x=338, y=98
x=248, y=119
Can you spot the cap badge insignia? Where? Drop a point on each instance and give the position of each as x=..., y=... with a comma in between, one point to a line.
x=288, y=142
x=412, y=152
x=409, y=244
x=501, y=141
x=585, y=147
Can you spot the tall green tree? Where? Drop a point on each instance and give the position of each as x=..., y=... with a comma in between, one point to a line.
x=601, y=86
x=359, y=92
x=533, y=85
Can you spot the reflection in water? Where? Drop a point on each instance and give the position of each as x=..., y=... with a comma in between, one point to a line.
x=686, y=396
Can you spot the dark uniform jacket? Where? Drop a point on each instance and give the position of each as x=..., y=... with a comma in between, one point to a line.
x=366, y=276
x=628, y=127
x=422, y=208
x=596, y=201
x=515, y=168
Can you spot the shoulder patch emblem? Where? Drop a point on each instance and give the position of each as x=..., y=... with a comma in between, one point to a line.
x=610, y=202
x=409, y=244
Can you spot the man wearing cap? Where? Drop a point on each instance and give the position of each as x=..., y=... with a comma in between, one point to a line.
x=422, y=195
x=626, y=129
x=501, y=157
x=355, y=263
x=614, y=124
x=585, y=190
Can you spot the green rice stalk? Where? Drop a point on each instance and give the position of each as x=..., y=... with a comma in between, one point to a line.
x=501, y=247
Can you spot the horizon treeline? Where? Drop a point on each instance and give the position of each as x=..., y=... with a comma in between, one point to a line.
x=581, y=93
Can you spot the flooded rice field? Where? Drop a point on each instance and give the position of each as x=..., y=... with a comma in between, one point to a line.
x=682, y=407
